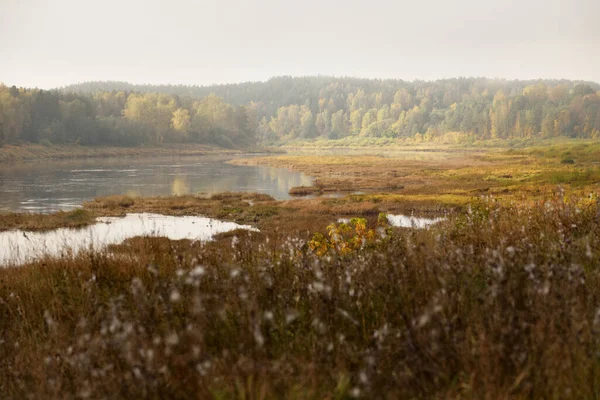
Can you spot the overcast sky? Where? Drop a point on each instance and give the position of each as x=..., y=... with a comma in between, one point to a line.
x=50, y=43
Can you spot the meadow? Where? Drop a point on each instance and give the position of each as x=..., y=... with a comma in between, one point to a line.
x=499, y=300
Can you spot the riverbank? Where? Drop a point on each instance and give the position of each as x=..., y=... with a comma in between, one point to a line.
x=365, y=185
x=38, y=152
x=449, y=177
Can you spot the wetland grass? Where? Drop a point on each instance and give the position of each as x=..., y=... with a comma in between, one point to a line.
x=499, y=301
x=43, y=222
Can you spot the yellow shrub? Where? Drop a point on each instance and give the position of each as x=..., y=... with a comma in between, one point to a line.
x=345, y=238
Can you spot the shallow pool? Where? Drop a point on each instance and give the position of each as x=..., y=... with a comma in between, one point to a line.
x=17, y=247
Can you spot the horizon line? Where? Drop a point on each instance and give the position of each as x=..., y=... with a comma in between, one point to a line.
x=241, y=82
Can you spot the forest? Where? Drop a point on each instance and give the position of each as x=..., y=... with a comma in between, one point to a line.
x=283, y=109
x=120, y=119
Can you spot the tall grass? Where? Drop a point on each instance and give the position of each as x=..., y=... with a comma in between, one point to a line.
x=41, y=222
x=501, y=301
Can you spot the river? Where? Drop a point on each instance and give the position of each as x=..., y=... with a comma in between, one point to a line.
x=49, y=186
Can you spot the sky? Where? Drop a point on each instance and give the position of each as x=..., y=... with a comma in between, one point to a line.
x=52, y=43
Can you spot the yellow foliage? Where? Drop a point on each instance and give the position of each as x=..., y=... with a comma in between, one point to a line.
x=344, y=238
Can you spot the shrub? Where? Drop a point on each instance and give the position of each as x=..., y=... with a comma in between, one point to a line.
x=347, y=237
x=304, y=191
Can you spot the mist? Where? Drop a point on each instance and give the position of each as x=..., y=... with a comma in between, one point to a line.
x=52, y=44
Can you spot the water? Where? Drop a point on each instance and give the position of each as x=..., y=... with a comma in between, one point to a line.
x=50, y=186
x=17, y=247
x=405, y=221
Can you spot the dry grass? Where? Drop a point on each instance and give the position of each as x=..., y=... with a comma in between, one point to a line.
x=43, y=222
x=250, y=197
x=111, y=202
x=304, y=191
x=503, y=173
x=498, y=302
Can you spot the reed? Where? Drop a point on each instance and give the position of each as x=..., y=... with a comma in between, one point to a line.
x=499, y=301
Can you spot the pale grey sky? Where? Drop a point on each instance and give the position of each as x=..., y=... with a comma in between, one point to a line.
x=49, y=43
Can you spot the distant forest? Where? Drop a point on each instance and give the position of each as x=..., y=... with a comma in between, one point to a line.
x=286, y=108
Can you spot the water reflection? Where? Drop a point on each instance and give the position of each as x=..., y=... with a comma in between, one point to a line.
x=180, y=187
x=405, y=221
x=17, y=247
x=62, y=185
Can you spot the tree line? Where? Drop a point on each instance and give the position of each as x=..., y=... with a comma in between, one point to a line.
x=286, y=108
x=307, y=107
x=429, y=112
x=121, y=118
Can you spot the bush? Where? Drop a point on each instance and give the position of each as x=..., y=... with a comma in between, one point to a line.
x=567, y=161
x=304, y=191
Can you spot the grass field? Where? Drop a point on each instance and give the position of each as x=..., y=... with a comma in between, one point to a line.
x=453, y=177
x=500, y=300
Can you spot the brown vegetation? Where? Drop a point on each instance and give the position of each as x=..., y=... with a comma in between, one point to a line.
x=497, y=302
x=458, y=177
x=42, y=222
x=304, y=191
